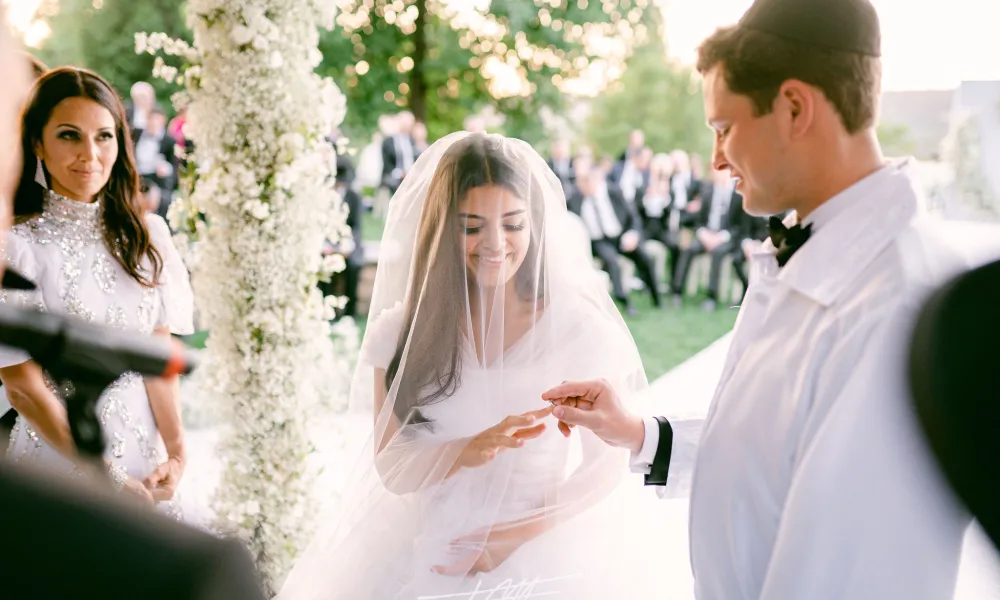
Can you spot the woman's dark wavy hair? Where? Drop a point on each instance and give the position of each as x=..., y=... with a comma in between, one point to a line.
x=125, y=232
x=433, y=354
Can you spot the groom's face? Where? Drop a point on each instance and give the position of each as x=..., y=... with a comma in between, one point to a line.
x=754, y=149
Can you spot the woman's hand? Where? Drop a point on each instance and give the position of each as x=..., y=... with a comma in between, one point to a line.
x=512, y=432
x=137, y=489
x=163, y=481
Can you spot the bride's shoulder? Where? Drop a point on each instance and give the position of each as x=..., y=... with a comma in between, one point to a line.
x=382, y=336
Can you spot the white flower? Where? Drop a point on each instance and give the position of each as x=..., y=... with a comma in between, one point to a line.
x=241, y=35
x=141, y=42
x=252, y=220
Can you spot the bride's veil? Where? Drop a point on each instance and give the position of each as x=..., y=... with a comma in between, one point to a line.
x=484, y=297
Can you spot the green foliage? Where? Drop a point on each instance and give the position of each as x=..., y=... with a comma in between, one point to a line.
x=445, y=82
x=434, y=66
x=896, y=140
x=661, y=98
x=103, y=39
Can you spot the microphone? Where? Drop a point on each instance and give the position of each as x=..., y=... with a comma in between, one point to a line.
x=88, y=350
x=12, y=280
x=90, y=357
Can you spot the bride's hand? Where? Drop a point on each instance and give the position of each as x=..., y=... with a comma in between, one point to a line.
x=512, y=432
x=488, y=549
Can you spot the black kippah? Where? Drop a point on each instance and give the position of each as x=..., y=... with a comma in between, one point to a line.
x=844, y=25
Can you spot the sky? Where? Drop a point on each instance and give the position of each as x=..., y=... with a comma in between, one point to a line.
x=926, y=44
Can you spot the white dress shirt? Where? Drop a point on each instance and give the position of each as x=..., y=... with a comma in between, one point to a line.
x=812, y=479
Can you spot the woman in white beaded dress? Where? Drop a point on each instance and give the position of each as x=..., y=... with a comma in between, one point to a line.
x=80, y=235
x=481, y=300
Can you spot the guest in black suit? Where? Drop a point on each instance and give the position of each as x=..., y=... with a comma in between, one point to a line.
x=614, y=229
x=355, y=257
x=717, y=234
x=750, y=234
x=654, y=210
x=156, y=158
x=632, y=175
x=398, y=152
x=138, y=108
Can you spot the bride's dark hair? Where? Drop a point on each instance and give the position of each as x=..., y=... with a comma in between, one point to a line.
x=432, y=370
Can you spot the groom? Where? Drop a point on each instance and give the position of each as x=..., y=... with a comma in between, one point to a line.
x=812, y=481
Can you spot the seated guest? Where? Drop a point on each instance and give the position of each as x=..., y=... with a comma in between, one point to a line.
x=750, y=235
x=717, y=234
x=631, y=176
x=614, y=230
x=653, y=207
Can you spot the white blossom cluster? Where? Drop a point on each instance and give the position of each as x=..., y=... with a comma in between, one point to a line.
x=253, y=218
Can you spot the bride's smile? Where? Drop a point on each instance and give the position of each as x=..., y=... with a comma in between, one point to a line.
x=496, y=233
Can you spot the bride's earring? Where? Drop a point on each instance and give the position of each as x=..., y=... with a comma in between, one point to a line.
x=40, y=174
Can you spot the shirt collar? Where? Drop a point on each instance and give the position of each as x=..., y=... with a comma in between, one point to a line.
x=850, y=230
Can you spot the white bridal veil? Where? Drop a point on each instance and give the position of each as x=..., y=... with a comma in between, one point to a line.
x=481, y=302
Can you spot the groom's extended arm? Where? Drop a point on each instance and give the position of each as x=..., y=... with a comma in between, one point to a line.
x=596, y=406
x=653, y=459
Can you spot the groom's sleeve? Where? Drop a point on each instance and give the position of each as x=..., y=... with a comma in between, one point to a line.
x=653, y=459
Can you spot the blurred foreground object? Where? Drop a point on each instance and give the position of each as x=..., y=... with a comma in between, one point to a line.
x=955, y=379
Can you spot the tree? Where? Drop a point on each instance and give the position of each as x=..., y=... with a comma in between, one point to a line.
x=963, y=152
x=445, y=60
x=100, y=35
x=655, y=95
x=896, y=140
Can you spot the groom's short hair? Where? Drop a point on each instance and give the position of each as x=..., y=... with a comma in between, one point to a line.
x=756, y=63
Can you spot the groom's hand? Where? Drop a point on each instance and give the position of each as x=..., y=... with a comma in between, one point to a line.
x=596, y=406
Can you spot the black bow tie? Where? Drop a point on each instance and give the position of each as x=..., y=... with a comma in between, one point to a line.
x=787, y=239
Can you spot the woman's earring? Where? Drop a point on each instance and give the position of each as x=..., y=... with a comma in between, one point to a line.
x=40, y=175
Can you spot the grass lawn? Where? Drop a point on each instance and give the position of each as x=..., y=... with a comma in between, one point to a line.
x=669, y=336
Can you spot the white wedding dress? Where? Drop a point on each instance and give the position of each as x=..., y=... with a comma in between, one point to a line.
x=466, y=344
x=589, y=556
x=63, y=252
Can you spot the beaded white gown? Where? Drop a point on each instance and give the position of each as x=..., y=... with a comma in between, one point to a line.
x=63, y=251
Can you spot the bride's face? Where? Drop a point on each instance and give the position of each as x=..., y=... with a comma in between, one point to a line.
x=496, y=229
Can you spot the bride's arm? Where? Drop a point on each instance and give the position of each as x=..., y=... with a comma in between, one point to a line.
x=406, y=464
x=403, y=465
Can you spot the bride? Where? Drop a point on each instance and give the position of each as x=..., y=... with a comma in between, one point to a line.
x=481, y=302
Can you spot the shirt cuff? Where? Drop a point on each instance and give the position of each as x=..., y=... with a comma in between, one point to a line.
x=642, y=462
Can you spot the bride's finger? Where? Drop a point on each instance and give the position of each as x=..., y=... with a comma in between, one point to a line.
x=541, y=413
x=565, y=428
x=529, y=433
x=461, y=567
x=506, y=441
